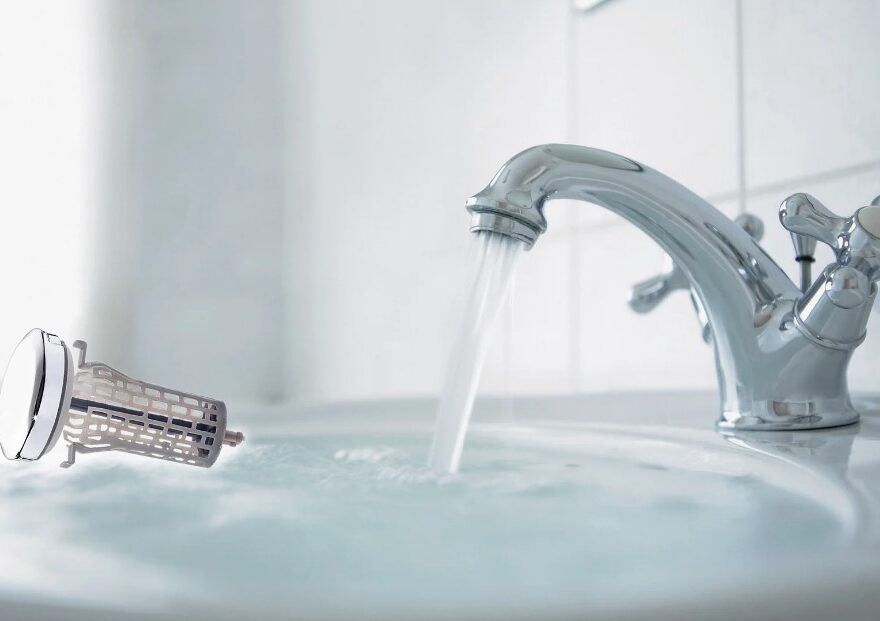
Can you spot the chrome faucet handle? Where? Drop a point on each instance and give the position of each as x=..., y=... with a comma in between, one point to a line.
x=810, y=221
x=833, y=310
x=855, y=240
x=876, y=203
x=751, y=224
x=647, y=294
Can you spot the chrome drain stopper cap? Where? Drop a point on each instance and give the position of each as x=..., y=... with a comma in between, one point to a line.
x=35, y=396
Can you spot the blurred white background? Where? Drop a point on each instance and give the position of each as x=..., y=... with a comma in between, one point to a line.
x=263, y=201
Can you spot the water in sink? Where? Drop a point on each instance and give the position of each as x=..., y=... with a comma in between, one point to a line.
x=354, y=525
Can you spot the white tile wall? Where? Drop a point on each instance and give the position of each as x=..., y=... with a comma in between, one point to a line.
x=657, y=81
x=810, y=77
x=543, y=345
x=190, y=260
x=404, y=112
x=405, y=109
x=282, y=210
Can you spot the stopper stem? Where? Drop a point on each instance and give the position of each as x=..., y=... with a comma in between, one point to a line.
x=233, y=438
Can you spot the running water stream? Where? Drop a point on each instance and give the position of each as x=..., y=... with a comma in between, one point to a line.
x=495, y=261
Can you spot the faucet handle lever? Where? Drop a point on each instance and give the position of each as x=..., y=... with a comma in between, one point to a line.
x=863, y=241
x=647, y=294
x=751, y=224
x=809, y=221
x=855, y=240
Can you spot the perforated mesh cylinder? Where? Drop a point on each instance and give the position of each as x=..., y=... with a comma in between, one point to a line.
x=111, y=411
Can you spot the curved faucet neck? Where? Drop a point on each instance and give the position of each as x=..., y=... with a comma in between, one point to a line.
x=705, y=243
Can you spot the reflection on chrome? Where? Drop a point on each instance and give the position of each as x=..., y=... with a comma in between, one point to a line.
x=781, y=354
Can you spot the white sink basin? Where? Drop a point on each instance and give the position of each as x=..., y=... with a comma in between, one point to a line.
x=617, y=506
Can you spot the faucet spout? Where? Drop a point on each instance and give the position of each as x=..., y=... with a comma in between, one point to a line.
x=769, y=375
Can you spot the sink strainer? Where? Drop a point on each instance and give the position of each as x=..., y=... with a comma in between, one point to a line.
x=97, y=408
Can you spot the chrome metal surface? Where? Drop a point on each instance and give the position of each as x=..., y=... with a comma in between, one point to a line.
x=805, y=245
x=810, y=221
x=781, y=355
x=751, y=224
x=34, y=396
x=588, y=6
x=647, y=294
x=54, y=400
x=806, y=270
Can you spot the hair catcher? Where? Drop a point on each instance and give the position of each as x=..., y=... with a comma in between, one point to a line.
x=96, y=408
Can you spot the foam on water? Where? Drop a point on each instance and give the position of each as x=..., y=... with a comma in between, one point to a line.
x=496, y=259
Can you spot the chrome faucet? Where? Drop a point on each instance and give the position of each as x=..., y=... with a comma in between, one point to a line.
x=647, y=294
x=781, y=353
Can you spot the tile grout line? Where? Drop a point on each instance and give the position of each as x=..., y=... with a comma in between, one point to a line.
x=828, y=175
x=740, y=109
x=574, y=258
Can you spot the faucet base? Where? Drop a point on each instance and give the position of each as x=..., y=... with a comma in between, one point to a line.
x=792, y=415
